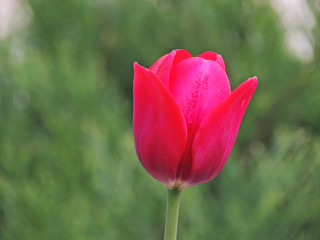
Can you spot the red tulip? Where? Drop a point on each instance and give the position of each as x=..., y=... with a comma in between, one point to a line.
x=185, y=118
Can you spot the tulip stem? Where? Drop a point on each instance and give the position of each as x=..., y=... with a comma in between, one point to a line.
x=173, y=203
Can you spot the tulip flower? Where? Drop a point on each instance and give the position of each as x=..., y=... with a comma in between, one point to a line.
x=185, y=120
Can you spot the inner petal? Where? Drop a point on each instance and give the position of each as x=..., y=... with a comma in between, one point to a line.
x=197, y=85
x=162, y=67
x=214, y=57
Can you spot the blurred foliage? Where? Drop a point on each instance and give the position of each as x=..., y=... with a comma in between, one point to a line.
x=68, y=168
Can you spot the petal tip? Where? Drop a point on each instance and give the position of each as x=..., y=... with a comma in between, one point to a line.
x=254, y=78
x=253, y=82
x=136, y=65
x=180, y=50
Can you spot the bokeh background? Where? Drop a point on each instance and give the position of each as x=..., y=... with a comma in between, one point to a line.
x=68, y=168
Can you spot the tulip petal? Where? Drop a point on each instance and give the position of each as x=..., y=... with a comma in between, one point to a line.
x=162, y=67
x=198, y=86
x=158, y=124
x=217, y=133
x=213, y=57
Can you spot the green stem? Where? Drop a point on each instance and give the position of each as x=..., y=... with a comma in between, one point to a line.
x=173, y=203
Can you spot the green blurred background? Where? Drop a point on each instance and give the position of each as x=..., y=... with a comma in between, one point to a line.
x=68, y=168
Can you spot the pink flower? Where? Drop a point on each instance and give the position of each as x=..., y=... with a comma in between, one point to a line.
x=185, y=118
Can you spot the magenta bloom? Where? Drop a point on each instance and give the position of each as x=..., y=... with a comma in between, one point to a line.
x=185, y=118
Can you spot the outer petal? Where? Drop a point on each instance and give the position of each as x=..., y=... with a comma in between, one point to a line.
x=198, y=86
x=158, y=124
x=162, y=67
x=217, y=133
x=214, y=57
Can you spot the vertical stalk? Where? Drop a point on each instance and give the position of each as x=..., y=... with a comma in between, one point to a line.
x=173, y=203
